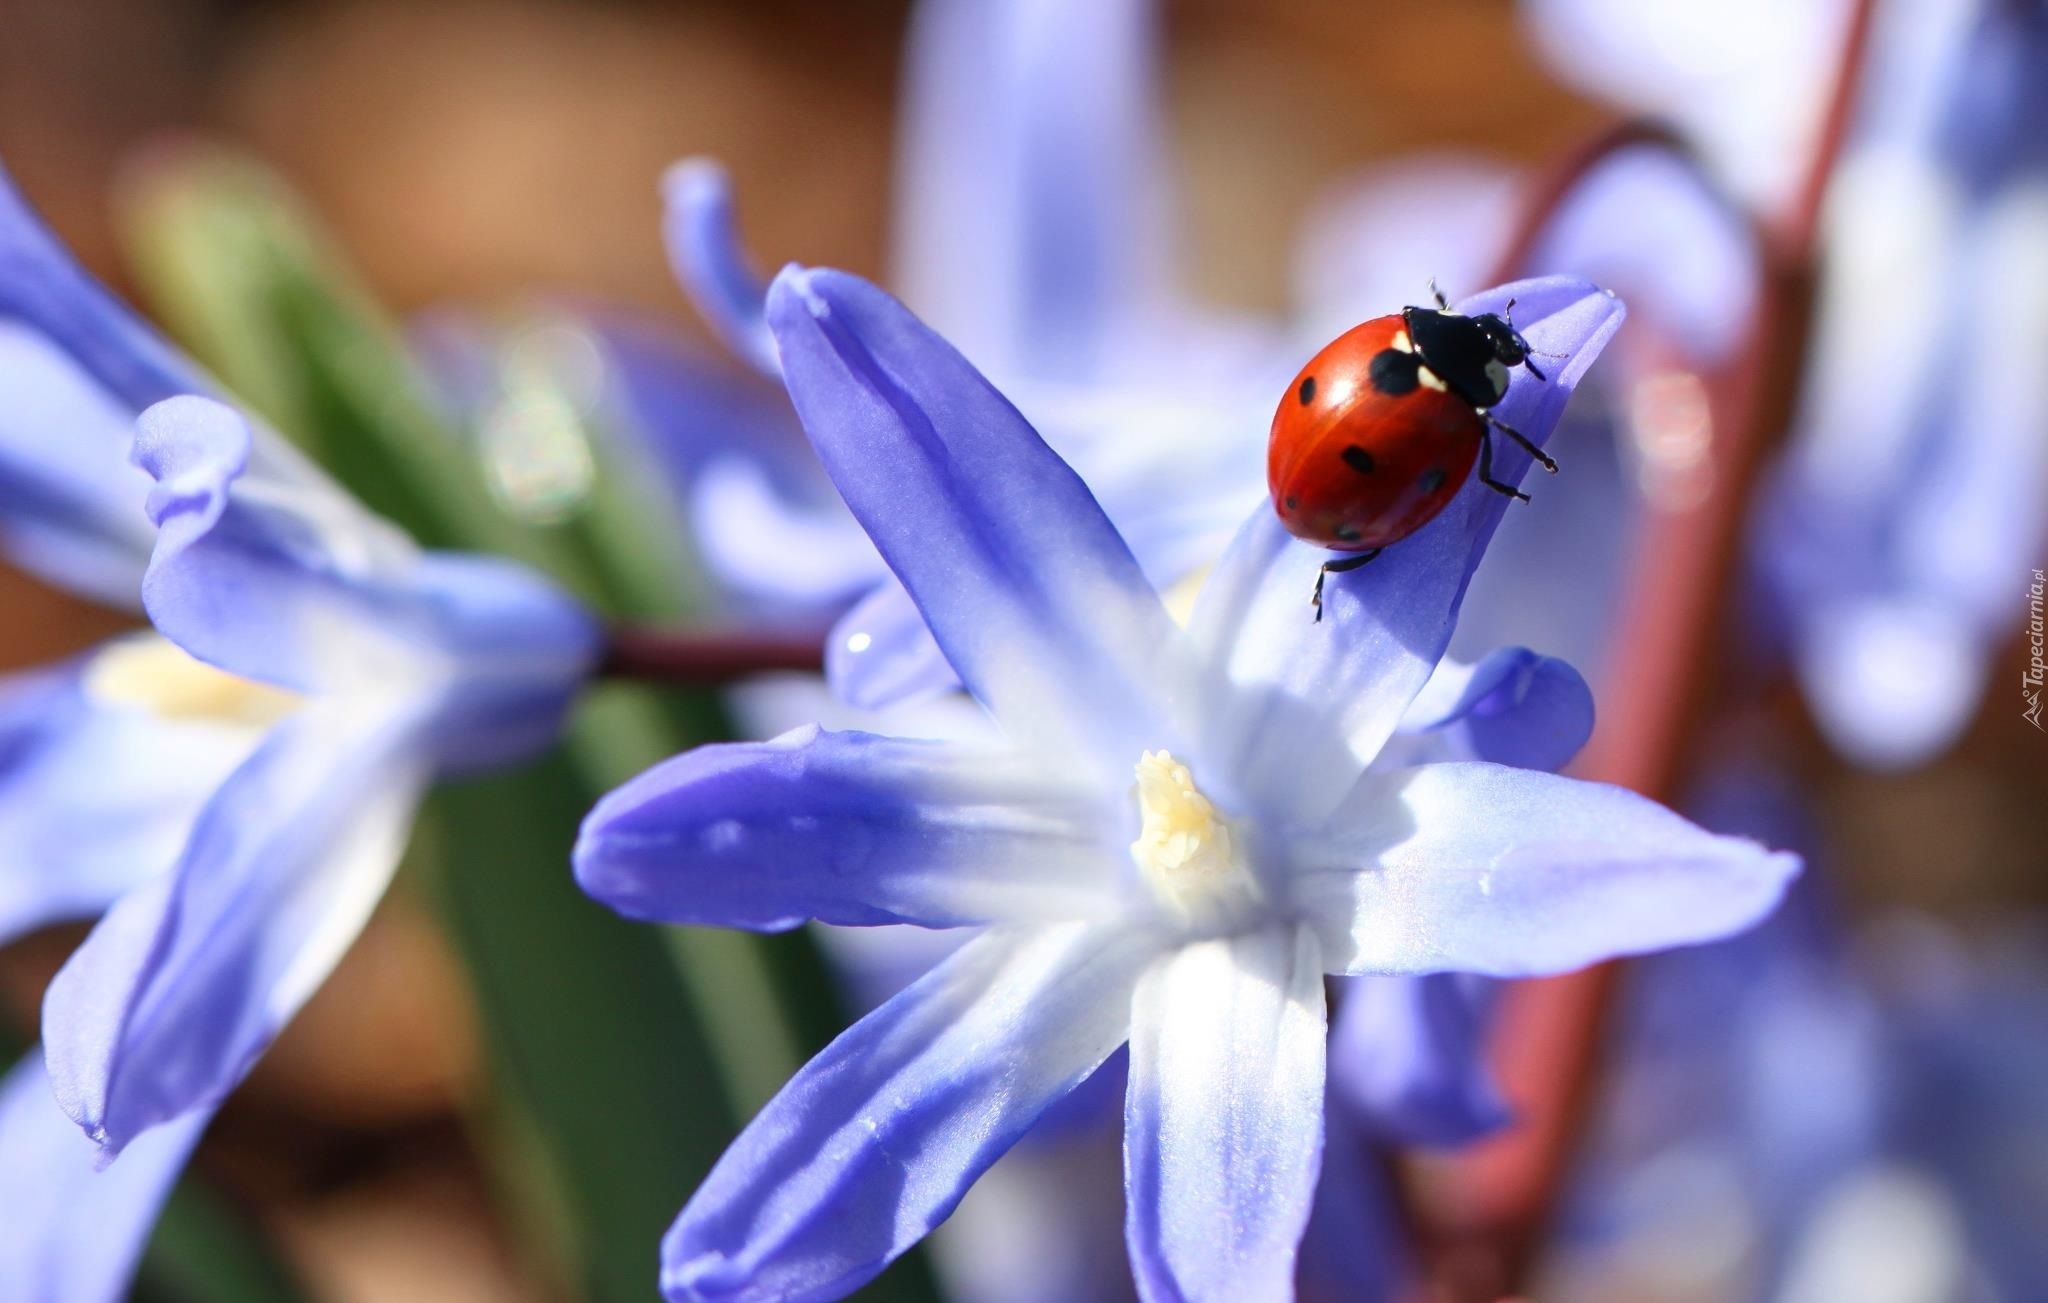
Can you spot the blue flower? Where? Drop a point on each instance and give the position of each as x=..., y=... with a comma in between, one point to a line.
x=234, y=789
x=1032, y=229
x=1911, y=492
x=1193, y=913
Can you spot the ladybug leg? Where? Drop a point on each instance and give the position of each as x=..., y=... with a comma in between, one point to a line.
x=1336, y=568
x=1543, y=458
x=1437, y=294
x=1486, y=469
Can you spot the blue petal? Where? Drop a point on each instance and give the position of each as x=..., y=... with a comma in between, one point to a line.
x=1515, y=707
x=848, y=828
x=874, y=1142
x=1023, y=581
x=1354, y=1250
x=70, y=504
x=248, y=560
x=1407, y=1053
x=185, y=982
x=73, y=1232
x=272, y=573
x=43, y=288
x=95, y=796
x=1030, y=201
x=773, y=550
x=1888, y=532
x=1652, y=228
x=704, y=249
x=515, y=651
x=1479, y=868
x=1223, y=1124
x=1375, y=241
x=880, y=654
x=1322, y=698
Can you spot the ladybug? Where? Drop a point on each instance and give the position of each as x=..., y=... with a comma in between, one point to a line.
x=1380, y=430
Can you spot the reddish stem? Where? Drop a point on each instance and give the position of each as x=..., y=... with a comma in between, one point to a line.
x=697, y=657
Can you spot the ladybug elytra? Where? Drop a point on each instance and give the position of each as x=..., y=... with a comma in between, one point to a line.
x=1382, y=428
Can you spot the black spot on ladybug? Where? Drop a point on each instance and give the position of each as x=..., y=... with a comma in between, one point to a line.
x=1394, y=372
x=1431, y=480
x=1308, y=390
x=1292, y=502
x=1358, y=459
x=1346, y=534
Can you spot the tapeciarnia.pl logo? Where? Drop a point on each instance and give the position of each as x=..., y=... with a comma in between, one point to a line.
x=2030, y=683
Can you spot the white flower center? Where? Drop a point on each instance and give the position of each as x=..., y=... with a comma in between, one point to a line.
x=1186, y=850
x=153, y=674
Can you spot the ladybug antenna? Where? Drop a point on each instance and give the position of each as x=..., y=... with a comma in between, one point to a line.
x=1441, y=302
x=1533, y=371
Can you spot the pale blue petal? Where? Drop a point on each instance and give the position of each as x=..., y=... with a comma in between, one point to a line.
x=246, y=562
x=705, y=252
x=1554, y=573
x=184, y=983
x=1480, y=868
x=70, y=504
x=880, y=654
x=874, y=1142
x=1515, y=707
x=285, y=579
x=1030, y=202
x=849, y=828
x=1318, y=700
x=73, y=1232
x=1407, y=1054
x=1223, y=1124
x=1023, y=581
x=1647, y=225
x=1372, y=244
x=771, y=549
x=1738, y=77
x=95, y=795
x=44, y=289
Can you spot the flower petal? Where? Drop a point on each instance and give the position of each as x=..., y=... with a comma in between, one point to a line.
x=774, y=550
x=249, y=564
x=873, y=1143
x=74, y=1232
x=1515, y=707
x=95, y=796
x=704, y=250
x=1480, y=868
x=847, y=828
x=42, y=287
x=1223, y=1124
x=70, y=504
x=880, y=654
x=173, y=996
x=1407, y=1054
x=1031, y=204
x=1021, y=578
x=1321, y=698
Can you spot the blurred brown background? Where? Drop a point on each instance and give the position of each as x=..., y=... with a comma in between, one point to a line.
x=468, y=149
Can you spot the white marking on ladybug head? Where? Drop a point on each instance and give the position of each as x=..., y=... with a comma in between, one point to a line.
x=1497, y=376
x=1431, y=380
x=1402, y=342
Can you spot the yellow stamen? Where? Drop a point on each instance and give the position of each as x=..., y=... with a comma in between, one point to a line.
x=153, y=674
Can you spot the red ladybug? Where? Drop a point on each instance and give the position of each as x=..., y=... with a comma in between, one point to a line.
x=1380, y=430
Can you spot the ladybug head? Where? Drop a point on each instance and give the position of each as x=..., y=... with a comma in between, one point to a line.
x=1509, y=348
